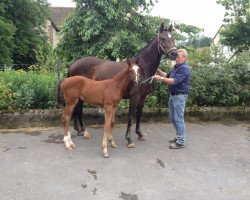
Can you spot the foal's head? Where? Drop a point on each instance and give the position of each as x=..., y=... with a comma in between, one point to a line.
x=166, y=42
x=134, y=70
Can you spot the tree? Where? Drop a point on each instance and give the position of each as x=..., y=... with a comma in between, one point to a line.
x=237, y=32
x=105, y=28
x=109, y=29
x=29, y=19
x=7, y=31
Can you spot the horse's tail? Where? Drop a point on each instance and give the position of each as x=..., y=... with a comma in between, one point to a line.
x=60, y=98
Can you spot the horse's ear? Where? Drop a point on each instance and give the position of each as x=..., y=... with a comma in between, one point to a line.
x=170, y=28
x=137, y=60
x=161, y=27
x=129, y=63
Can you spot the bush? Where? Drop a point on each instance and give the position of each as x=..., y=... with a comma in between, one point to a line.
x=5, y=96
x=221, y=85
x=28, y=89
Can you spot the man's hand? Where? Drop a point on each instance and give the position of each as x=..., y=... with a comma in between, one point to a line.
x=157, y=77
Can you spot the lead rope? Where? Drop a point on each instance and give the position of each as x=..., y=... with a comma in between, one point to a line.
x=151, y=78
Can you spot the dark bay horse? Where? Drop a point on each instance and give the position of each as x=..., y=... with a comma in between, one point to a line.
x=106, y=93
x=98, y=69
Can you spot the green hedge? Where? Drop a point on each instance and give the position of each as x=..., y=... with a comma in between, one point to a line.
x=227, y=85
x=25, y=90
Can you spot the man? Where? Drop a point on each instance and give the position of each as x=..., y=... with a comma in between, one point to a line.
x=178, y=81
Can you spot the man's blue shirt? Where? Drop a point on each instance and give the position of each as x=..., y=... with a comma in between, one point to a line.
x=181, y=74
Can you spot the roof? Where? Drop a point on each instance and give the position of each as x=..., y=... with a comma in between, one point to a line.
x=59, y=15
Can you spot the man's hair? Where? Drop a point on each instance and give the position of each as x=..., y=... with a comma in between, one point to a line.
x=184, y=52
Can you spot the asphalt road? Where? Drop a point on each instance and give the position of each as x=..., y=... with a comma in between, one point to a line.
x=215, y=165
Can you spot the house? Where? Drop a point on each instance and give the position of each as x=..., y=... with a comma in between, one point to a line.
x=216, y=42
x=57, y=20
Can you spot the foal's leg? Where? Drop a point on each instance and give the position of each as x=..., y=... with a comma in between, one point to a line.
x=107, y=130
x=66, y=119
x=111, y=140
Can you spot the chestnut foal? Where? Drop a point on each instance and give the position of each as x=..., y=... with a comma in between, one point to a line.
x=106, y=93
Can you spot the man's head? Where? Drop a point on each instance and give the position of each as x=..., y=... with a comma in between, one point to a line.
x=182, y=56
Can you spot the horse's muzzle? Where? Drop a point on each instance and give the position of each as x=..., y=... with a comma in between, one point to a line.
x=172, y=54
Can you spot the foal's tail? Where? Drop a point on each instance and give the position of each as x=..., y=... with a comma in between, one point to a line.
x=60, y=98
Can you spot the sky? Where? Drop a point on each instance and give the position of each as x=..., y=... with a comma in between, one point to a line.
x=204, y=14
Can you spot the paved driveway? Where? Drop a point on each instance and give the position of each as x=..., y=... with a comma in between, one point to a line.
x=34, y=165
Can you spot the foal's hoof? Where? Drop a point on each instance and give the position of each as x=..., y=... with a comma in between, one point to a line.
x=114, y=146
x=132, y=145
x=105, y=152
x=86, y=135
x=69, y=148
x=141, y=138
x=73, y=145
x=106, y=155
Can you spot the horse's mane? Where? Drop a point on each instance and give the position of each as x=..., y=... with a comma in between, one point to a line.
x=139, y=53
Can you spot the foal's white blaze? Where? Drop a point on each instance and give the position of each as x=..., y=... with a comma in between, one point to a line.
x=136, y=69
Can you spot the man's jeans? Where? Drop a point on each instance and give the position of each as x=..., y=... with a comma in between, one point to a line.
x=176, y=106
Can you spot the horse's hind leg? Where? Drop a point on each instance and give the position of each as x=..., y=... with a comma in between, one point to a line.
x=66, y=119
x=111, y=140
x=78, y=118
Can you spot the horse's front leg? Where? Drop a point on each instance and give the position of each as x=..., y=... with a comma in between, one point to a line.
x=111, y=140
x=66, y=119
x=131, y=114
x=107, y=130
x=138, y=121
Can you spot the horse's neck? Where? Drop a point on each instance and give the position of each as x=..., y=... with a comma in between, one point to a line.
x=150, y=58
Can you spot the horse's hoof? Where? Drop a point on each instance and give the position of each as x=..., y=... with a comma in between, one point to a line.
x=73, y=145
x=86, y=135
x=79, y=133
x=141, y=138
x=132, y=145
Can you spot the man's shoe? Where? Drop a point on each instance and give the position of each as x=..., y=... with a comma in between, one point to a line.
x=176, y=146
x=173, y=140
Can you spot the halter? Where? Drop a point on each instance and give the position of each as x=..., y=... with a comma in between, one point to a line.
x=159, y=45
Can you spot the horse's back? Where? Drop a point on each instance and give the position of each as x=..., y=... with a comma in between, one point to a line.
x=85, y=66
x=95, y=68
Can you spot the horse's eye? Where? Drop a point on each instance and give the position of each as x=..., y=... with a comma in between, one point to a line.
x=163, y=39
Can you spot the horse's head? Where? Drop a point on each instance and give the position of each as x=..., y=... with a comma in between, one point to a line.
x=166, y=42
x=134, y=69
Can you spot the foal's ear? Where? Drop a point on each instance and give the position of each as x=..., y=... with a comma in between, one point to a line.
x=137, y=61
x=129, y=63
x=170, y=28
x=161, y=27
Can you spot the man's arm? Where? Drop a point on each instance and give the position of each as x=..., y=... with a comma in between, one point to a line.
x=164, y=79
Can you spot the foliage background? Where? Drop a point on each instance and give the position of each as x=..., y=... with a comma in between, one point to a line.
x=113, y=29
x=211, y=85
